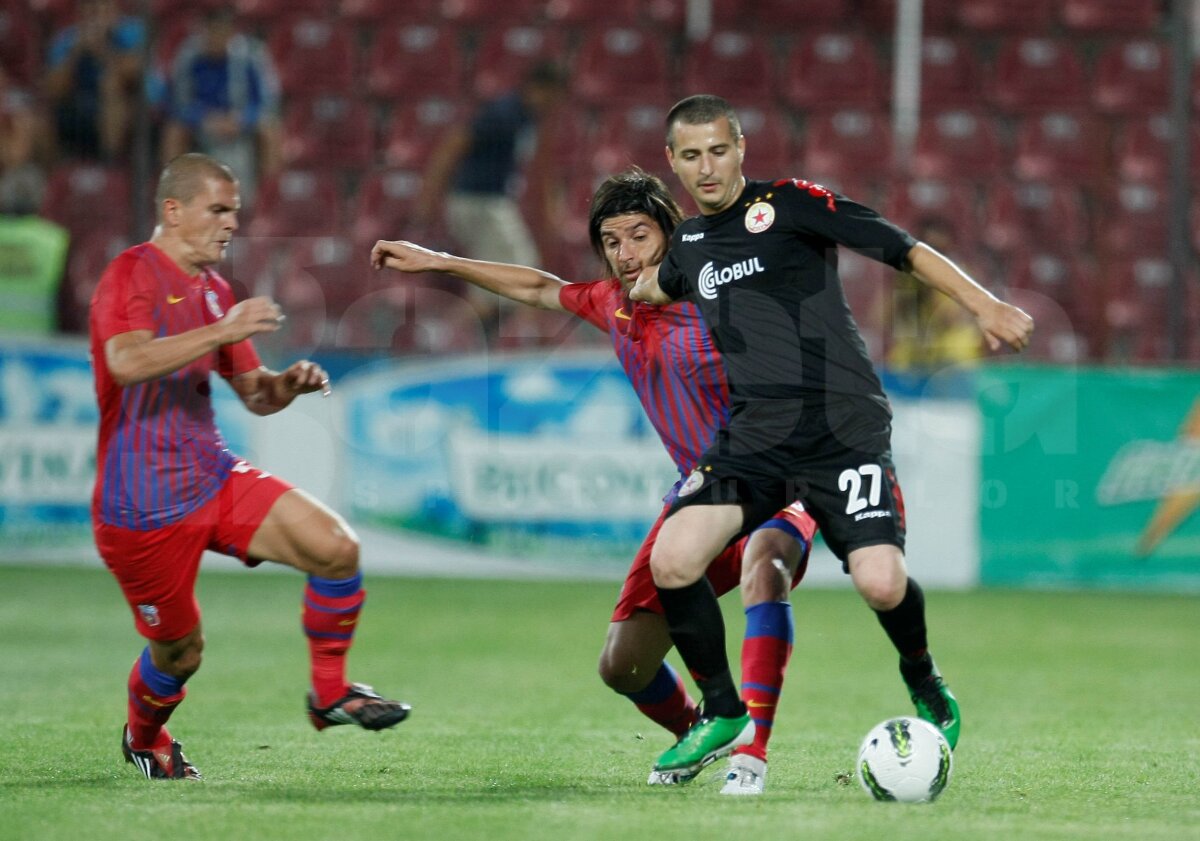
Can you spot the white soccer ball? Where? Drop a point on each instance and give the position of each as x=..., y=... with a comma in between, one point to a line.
x=905, y=759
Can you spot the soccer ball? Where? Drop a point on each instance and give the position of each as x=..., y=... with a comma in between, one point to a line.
x=905, y=759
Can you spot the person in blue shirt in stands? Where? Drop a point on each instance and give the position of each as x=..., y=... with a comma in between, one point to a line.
x=94, y=70
x=224, y=100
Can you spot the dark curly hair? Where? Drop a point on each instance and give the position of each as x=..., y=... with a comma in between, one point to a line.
x=632, y=191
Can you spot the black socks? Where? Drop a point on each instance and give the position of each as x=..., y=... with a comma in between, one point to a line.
x=698, y=631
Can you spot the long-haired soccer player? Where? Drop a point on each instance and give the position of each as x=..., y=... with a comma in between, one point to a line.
x=168, y=488
x=679, y=378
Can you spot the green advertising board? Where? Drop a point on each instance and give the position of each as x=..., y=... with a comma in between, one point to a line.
x=1090, y=477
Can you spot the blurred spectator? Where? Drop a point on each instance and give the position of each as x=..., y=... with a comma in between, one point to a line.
x=22, y=181
x=473, y=173
x=929, y=331
x=224, y=100
x=94, y=73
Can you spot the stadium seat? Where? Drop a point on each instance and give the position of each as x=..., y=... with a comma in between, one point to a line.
x=382, y=12
x=737, y=65
x=1140, y=301
x=328, y=132
x=769, y=147
x=297, y=202
x=1018, y=216
x=88, y=257
x=269, y=11
x=950, y=74
x=415, y=60
x=1132, y=218
x=586, y=13
x=336, y=264
x=19, y=43
x=842, y=145
x=87, y=198
x=313, y=55
x=415, y=128
x=384, y=205
x=916, y=203
x=1117, y=16
x=957, y=144
x=488, y=12
x=505, y=55
x=618, y=66
x=1060, y=292
x=817, y=67
x=1061, y=145
x=1038, y=74
x=771, y=16
x=1032, y=16
x=1132, y=77
x=631, y=135
x=1141, y=149
x=938, y=16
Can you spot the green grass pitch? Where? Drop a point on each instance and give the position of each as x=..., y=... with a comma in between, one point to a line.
x=1081, y=720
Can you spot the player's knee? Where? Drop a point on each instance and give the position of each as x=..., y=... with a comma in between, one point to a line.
x=882, y=589
x=621, y=674
x=185, y=660
x=339, y=557
x=768, y=566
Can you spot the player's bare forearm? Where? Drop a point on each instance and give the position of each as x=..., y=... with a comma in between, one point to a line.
x=1001, y=323
x=136, y=356
x=265, y=392
x=523, y=284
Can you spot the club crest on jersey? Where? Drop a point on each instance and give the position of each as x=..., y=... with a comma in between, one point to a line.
x=694, y=482
x=214, y=304
x=149, y=614
x=711, y=277
x=759, y=217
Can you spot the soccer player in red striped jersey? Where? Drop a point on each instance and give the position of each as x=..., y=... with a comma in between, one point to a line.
x=679, y=378
x=168, y=488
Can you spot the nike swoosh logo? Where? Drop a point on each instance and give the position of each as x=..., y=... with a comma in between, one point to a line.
x=757, y=705
x=620, y=313
x=173, y=299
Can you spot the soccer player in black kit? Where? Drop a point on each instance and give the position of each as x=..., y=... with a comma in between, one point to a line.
x=809, y=419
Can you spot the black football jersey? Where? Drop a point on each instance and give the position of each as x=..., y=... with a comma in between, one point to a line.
x=764, y=273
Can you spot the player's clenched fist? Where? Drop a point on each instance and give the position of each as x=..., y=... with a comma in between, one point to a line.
x=406, y=257
x=304, y=377
x=250, y=317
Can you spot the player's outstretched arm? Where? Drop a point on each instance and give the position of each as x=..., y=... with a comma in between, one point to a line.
x=522, y=284
x=265, y=392
x=1001, y=323
x=647, y=290
x=137, y=356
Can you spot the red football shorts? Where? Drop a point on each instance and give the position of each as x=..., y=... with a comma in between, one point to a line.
x=157, y=568
x=724, y=573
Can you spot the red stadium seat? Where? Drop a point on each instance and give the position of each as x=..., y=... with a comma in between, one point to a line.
x=314, y=55
x=1038, y=74
x=1033, y=16
x=818, y=67
x=328, y=132
x=957, y=144
x=488, y=12
x=505, y=55
x=1141, y=149
x=1140, y=300
x=1119, y=16
x=381, y=12
x=737, y=65
x=937, y=15
x=267, y=11
x=841, y=145
x=584, y=13
x=1132, y=217
x=416, y=127
x=1061, y=145
x=1132, y=77
x=415, y=60
x=621, y=66
x=87, y=259
x=915, y=204
x=950, y=74
x=337, y=266
x=790, y=16
x=769, y=146
x=297, y=202
x=1060, y=292
x=1022, y=215
x=19, y=43
x=87, y=198
x=631, y=135
x=385, y=202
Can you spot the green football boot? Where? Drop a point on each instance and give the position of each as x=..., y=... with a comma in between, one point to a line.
x=711, y=738
x=936, y=704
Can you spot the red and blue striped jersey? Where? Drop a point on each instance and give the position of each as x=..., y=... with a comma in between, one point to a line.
x=159, y=455
x=670, y=360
